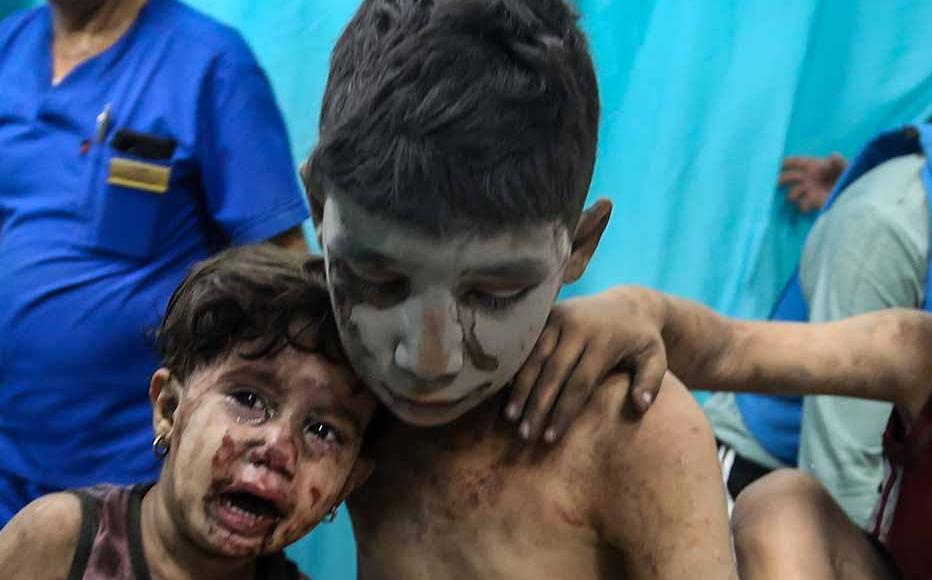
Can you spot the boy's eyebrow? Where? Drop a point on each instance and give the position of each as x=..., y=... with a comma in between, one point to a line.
x=526, y=269
x=359, y=254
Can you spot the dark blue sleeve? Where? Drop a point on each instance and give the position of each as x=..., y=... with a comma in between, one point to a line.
x=250, y=181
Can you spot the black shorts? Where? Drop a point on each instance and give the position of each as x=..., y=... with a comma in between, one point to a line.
x=738, y=472
x=884, y=555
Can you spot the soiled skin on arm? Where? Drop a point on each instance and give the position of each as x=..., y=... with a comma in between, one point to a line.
x=40, y=541
x=884, y=356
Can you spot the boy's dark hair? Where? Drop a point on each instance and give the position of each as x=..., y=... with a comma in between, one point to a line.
x=262, y=296
x=460, y=114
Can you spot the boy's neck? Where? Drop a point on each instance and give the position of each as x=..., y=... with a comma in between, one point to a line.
x=171, y=554
x=485, y=418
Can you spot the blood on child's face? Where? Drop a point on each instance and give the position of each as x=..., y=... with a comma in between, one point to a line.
x=437, y=325
x=261, y=449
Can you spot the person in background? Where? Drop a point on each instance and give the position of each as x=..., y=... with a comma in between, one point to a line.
x=138, y=137
x=786, y=525
x=810, y=180
x=868, y=250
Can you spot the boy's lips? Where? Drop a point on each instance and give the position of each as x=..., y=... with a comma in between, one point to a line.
x=436, y=404
x=248, y=510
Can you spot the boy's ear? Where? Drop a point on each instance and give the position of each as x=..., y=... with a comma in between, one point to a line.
x=589, y=231
x=315, y=196
x=165, y=395
x=358, y=476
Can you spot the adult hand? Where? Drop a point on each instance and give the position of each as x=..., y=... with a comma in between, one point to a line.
x=810, y=179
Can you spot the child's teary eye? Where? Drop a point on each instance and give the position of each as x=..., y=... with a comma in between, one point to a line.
x=323, y=432
x=253, y=407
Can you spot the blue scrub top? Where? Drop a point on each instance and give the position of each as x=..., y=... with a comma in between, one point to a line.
x=87, y=262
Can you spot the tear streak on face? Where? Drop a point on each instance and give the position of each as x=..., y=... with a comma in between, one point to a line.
x=261, y=450
x=435, y=326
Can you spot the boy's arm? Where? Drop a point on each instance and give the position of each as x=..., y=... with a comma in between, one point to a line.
x=40, y=541
x=659, y=498
x=884, y=355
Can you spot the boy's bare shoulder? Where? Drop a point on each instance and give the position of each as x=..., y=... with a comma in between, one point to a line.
x=629, y=449
x=40, y=541
x=673, y=423
x=657, y=494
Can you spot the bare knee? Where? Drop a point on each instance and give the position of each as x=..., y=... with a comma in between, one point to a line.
x=777, y=519
x=777, y=510
x=778, y=496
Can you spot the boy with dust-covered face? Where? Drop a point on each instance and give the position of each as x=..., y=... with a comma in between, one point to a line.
x=260, y=421
x=457, y=143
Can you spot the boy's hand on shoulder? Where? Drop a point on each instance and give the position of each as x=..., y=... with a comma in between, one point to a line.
x=586, y=339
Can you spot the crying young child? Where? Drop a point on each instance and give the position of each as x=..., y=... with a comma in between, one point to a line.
x=260, y=423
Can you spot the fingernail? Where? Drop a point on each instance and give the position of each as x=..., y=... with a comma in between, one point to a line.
x=512, y=411
x=550, y=435
x=524, y=430
x=647, y=398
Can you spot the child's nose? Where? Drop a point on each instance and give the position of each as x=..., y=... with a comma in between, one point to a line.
x=278, y=453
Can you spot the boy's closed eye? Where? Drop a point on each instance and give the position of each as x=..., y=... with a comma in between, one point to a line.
x=495, y=298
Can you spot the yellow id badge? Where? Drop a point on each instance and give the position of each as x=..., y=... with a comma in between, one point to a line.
x=139, y=175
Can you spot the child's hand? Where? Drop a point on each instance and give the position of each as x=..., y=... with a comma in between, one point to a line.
x=586, y=339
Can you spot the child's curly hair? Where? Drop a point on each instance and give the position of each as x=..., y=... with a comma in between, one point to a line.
x=262, y=297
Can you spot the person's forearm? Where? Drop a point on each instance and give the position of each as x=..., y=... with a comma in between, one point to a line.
x=698, y=343
x=884, y=355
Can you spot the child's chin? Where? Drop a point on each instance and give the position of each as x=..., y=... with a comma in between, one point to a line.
x=228, y=545
x=230, y=538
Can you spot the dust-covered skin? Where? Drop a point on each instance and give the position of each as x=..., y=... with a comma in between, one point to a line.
x=283, y=433
x=278, y=436
x=616, y=499
x=435, y=326
x=883, y=355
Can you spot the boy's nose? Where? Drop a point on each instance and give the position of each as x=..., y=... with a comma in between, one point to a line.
x=432, y=349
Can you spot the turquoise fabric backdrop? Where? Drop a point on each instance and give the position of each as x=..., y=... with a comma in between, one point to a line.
x=701, y=100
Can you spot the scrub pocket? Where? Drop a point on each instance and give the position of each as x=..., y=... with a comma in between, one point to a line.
x=128, y=196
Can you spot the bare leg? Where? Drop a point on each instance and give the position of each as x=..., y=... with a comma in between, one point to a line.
x=788, y=527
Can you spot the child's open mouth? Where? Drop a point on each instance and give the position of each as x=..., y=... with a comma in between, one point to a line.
x=247, y=512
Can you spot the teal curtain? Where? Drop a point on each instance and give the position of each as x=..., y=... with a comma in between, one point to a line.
x=701, y=100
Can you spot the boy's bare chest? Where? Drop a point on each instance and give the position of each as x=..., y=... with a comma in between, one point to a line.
x=476, y=502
